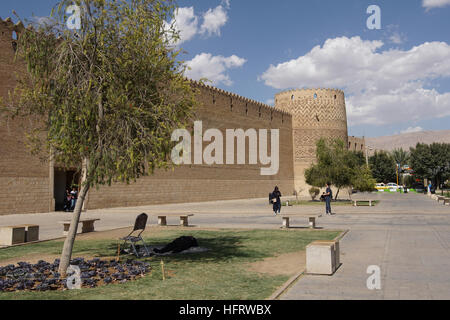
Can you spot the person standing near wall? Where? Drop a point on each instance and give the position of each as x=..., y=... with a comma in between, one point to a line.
x=276, y=200
x=74, y=194
x=328, y=197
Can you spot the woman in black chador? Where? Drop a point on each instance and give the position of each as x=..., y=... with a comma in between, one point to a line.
x=276, y=195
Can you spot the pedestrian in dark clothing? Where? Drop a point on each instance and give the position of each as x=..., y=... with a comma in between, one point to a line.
x=328, y=197
x=276, y=195
x=67, y=200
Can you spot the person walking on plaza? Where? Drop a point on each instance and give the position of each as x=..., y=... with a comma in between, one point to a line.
x=276, y=195
x=328, y=197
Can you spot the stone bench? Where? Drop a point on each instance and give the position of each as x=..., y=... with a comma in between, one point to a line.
x=322, y=257
x=10, y=235
x=439, y=198
x=31, y=232
x=355, y=202
x=311, y=220
x=88, y=225
x=184, y=218
x=446, y=201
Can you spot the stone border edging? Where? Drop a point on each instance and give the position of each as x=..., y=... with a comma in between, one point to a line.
x=298, y=275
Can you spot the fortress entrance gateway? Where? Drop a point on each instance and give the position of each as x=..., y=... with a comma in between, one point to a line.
x=64, y=179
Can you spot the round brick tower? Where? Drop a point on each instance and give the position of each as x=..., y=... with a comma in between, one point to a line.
x=316, y=113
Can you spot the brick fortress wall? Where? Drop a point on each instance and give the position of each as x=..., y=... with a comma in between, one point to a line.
x=24, y=179
x=192, y=183
x=26, y=183
x=303, y=117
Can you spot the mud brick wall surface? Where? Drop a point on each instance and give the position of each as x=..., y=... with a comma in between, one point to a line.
x=24, y=179
x=194, y=183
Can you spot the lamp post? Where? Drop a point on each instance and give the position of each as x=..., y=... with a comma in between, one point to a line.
x=396, y=171
x=367, y=157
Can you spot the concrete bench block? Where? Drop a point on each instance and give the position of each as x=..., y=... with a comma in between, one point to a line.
x=355, y=202
x=162, y=221
x=337, y=253
x=184, y=221
x=87, y=225
x=312, y=222
x=31, y=232
x=12, y=235
x=285, y=222
x=322, y=257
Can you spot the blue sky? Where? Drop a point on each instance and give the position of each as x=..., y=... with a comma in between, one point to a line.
x=396, y=79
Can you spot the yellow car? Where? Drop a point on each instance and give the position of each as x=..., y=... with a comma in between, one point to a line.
x=381, y=186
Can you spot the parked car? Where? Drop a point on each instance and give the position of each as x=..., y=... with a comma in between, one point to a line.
x=392, y=186
x=380, y=186
x=419, y=187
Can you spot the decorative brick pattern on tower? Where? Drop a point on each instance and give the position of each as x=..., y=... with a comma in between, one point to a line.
x=316, y=113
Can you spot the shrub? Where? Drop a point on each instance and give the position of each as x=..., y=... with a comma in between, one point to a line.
x=314, y=192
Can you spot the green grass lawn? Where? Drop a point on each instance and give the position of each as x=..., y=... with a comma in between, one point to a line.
x=220, y=273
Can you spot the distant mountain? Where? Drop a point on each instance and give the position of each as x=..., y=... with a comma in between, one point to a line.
x=407, y=140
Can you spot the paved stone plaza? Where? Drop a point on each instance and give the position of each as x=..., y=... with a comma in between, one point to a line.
x=406, y=235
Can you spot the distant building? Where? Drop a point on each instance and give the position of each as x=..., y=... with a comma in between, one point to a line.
x=356, y=144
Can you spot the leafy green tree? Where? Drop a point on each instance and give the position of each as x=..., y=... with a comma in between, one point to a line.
x=363, y=180
x=400, y=156
x=109, y=94
x=360, y=157
x=335, y=164
x=383, y=167
x=431, y=161
x=314, y=192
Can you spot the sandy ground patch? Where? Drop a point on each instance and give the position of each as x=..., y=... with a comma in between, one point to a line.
x=283, y=264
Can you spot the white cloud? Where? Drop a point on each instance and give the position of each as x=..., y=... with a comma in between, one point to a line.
x=430, y=4
x=392, y=34
x=226, y=3
x=213, y=68
x=396, y=38
x=185, y=22
x=42, y=20
x=382, y=87
x=213, y=20
x=412, y=129
x=270, y=102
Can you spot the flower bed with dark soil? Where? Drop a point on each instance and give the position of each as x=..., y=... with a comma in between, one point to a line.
x=44, y=276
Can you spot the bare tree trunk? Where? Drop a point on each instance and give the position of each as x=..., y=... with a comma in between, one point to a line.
x=70, y=239
x=337, y=193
